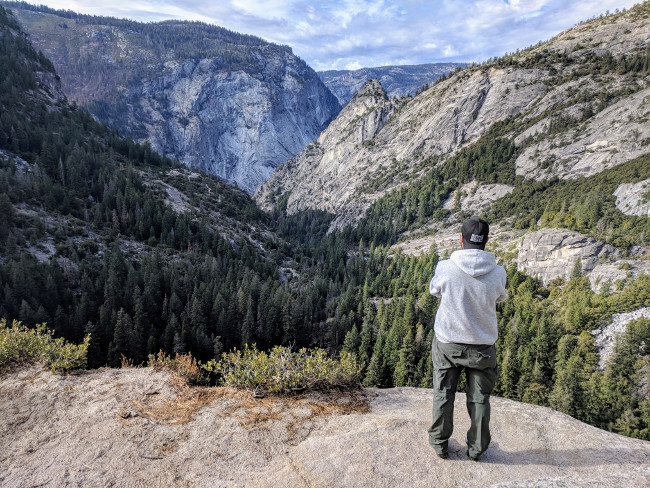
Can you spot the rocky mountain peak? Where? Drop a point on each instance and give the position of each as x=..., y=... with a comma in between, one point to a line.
x=371, y=88
x=329, y=158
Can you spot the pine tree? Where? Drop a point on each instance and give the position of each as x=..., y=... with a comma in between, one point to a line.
x=367, y=336
x=179, y=345
x=375, y=372
x=352, y=341
x=140, y=333
x=405, y=369
x=94, y=355
x=120, y=345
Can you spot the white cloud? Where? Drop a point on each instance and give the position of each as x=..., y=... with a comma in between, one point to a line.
x=354, y=65
x=335, y=34
x=265, y=9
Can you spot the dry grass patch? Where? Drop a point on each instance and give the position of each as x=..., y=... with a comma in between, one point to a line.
x=185, y=400
x=179, y=408
x=247, y=410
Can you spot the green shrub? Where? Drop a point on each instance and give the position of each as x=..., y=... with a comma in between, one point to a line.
x=282, y=371
x=20, y=343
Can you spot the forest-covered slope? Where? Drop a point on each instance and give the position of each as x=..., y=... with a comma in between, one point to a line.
x=229, y=104
x=104, y=236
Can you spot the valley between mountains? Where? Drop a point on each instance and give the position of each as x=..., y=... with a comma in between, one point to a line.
x=223, y=196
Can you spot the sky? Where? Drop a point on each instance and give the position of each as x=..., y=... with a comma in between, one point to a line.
x=351, y=34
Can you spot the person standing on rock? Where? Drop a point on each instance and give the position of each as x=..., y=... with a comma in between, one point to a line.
x=470, y=284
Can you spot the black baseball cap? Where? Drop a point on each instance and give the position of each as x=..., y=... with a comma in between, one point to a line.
x=475, y=233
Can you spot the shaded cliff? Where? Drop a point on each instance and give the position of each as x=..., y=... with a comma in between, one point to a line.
x=229, y=104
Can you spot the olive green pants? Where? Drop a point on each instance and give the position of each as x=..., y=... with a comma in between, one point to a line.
x=480, y=364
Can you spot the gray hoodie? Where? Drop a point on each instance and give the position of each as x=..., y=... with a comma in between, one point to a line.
x=470, y=284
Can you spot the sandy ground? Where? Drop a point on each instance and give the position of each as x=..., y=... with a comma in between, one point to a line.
x=140, y=427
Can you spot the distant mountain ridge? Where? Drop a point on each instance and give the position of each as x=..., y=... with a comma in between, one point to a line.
x=229, y=104
x=397, y=80
x=569, y=108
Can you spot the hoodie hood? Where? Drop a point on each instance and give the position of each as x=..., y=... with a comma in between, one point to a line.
x=474, y=262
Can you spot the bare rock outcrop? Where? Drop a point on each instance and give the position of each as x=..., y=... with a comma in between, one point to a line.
x=552, y=253
x=328, y=164
x=474, y=198
x=606, y=336
x=634, y=198
x=615, y=275
x=133, y=427
x=609, y=138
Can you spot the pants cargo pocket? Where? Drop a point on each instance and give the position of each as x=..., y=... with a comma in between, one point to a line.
x=486, y=359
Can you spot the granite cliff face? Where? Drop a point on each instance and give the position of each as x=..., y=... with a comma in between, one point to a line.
x=233, y=124
x=571, y=111
x=398, y=81
x=435, y=123
x=553, y=253
x=326, y=164
x=228, y=104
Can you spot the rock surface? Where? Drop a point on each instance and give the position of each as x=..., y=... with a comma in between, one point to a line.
x=474, y=198
x=552, y=253
x=103, y=428
x=225, y=103
x=610, y=137
x=615, y=275
x=606, y=336
x=398, y=80
x=326, y=164
x=634, y=198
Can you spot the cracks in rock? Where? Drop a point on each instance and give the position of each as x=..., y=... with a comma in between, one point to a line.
x=297, y=470
x=480, y=101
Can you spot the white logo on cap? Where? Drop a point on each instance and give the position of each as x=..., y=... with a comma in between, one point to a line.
x=476, y=238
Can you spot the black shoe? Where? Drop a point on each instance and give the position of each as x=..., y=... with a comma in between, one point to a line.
x=471, y=457
x=442, y=455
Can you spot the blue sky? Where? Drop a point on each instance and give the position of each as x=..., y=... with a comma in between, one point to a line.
x=350, y=34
